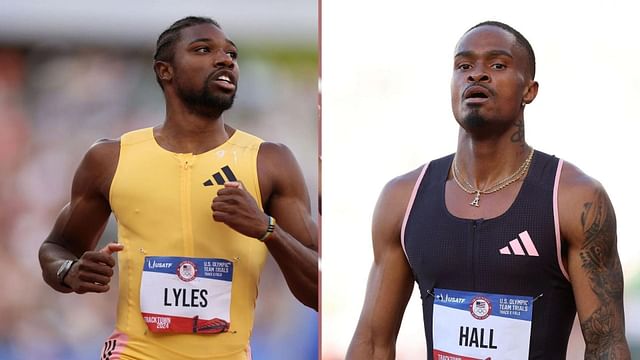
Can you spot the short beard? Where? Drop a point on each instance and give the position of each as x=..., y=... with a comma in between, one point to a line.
x=205, y=102
x=474, y=120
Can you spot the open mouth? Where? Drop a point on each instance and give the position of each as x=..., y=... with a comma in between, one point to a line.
x=476, y=93
x=224, y=81
x=224, y=78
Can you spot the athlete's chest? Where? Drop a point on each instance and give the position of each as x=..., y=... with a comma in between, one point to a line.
x=496, y=254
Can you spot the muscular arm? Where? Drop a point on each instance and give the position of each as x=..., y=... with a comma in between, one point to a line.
x=81, y=222
x=390, y=279
x=294, y=242
x=588, y=224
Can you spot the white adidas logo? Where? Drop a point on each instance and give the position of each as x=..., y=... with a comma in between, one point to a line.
x=514, y=247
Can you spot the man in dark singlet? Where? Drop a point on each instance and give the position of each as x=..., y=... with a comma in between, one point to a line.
x=506, y=243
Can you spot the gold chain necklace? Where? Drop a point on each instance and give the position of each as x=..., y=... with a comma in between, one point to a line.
x=470, y=189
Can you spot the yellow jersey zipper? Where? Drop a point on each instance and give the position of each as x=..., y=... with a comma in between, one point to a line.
x=186, y=163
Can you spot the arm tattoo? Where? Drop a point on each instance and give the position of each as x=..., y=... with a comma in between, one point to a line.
x=604, y=329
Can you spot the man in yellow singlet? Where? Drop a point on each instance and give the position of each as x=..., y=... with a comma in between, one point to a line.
x=198, y=206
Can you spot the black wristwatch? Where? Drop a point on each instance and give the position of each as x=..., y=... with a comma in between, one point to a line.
x=63, y=270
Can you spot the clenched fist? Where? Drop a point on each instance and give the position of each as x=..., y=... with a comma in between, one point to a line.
x=93, y=271
x=235, y=207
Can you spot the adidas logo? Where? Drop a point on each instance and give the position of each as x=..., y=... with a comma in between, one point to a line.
x=219, y=179
x=107, y=349
x=515, y=246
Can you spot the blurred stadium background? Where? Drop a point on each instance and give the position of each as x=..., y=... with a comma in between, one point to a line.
x=73, y=72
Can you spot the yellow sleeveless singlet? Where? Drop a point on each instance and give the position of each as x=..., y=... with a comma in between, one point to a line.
x=162, y=203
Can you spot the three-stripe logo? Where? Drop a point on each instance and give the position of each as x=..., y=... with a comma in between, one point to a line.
x=219, y=179
x=515, y=246
x=107, y=349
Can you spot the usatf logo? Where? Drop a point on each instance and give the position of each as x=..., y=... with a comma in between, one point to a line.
x=219, y=179
x=515, y=247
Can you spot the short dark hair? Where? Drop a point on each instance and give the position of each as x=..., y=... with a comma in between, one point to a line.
x=520, y=39
x=165, y=46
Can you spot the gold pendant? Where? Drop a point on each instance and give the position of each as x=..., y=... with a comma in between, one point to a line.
x=476, y=201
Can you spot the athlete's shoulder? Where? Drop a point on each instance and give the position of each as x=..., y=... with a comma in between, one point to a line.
x=391, y=207
x=275, y=150
x=103, y=151
x=404, y=181
x=575, y=181
x=577, y=194
x=277, y=161
x=395, y=195
x=97, y=167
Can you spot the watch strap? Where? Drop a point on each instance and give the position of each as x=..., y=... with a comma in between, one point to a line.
x=64, y=270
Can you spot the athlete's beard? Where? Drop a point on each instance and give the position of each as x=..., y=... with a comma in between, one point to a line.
x=205, y=101
x=474, y=120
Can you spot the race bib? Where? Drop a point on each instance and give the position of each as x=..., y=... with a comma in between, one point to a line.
x=479, y=326
x=186, y=295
